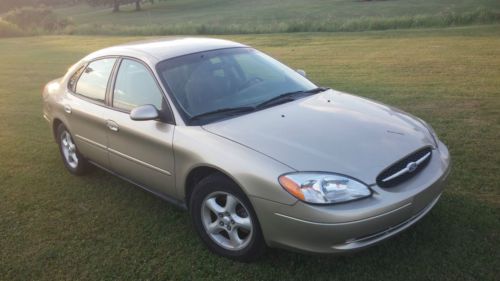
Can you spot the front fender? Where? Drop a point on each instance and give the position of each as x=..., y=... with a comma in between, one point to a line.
x=256, y=173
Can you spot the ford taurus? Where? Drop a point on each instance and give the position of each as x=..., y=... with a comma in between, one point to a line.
x=258, y=154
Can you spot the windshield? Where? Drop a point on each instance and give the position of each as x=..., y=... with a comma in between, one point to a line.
x=224, y=79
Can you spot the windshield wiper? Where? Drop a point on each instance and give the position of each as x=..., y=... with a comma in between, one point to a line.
x=286, y=97
x=227, y=110
x=289, y=96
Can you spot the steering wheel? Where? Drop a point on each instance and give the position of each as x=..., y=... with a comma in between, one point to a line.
x=250, y=82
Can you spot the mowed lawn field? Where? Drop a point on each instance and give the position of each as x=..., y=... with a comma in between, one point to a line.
x=256, y=12
x=263, y=16
x=57, y=226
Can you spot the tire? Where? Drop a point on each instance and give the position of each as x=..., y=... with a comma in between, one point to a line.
x=235, y=230
x=73, y=160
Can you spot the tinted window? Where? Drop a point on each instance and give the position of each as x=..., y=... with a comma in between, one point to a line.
x=74, y=78
x=227, y=78
x=135, y=86
x=94, y=79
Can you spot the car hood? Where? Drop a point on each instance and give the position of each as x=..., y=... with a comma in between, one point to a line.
x=330, y=131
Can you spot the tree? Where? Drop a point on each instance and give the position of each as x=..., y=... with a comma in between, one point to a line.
x=6, y=5
x=116, y=3
x=116, y=6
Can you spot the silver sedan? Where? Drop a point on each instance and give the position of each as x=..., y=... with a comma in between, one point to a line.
x=258, y=154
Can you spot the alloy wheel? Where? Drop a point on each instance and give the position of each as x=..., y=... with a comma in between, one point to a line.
x=69, y=150
x=226, y=220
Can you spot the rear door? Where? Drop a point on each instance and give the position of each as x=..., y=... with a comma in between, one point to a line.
x=140, y=150
x=87, y=109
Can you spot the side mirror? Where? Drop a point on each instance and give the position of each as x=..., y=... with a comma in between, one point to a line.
x=144, y=113
x=301, y=72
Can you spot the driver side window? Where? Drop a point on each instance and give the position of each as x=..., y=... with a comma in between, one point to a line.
x=135, y=86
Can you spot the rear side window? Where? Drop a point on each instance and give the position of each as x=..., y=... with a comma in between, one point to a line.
x=135, y=86
x=94, y=79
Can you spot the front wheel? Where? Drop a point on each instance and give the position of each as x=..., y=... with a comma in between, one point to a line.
x=73, y=160
x=225, y=220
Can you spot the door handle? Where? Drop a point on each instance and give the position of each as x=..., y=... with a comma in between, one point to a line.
x=67, y=108
x=112, y=126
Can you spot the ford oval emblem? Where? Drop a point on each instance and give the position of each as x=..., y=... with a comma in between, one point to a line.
x=412, y=166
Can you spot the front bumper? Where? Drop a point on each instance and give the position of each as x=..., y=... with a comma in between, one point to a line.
x=356, y=225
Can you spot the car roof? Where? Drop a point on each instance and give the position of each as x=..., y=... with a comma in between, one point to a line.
x=153, y=51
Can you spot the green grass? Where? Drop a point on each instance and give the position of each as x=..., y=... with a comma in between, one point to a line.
x=263, y=11
x=262, y=16
x=57, y=226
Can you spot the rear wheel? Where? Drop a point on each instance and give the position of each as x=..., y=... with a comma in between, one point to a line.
x=225, y=220
x=73, y=160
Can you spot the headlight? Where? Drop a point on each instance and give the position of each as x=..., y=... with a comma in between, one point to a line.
x=323, y=188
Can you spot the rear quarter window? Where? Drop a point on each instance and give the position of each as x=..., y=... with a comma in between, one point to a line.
x=74, y=78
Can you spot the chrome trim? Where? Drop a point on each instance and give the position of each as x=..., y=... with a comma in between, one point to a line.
x=409, y=168
x=112, y=126
x=91, y=142
x=139, y=162
x=67, y=109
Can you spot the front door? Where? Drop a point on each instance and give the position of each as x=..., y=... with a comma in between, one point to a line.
x=141, y=151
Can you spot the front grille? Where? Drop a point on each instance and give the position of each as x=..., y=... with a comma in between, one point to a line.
x=405, y=168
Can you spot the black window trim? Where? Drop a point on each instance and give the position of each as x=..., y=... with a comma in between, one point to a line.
x=108, y=97
x=81, y=66
x=114, y=73
x=83, y=97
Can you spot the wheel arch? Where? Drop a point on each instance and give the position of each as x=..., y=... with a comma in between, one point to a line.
x=197, y=174
x=55, y=124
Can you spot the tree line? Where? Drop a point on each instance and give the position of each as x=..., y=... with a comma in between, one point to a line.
x=6, y=5
x=116, y=3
